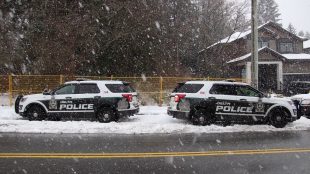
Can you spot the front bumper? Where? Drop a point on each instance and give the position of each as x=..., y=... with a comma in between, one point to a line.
x=178, y=114
x=127, y=112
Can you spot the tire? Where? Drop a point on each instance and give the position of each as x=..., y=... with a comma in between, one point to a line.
x=106, y=115
x=201, y=117
x=36, y=112
x=278, y=117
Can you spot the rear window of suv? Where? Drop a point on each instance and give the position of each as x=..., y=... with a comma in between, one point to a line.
x=120, y=88
x=188, y=88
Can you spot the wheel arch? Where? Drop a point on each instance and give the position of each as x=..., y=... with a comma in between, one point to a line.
x=281, y=107
x=36, y=103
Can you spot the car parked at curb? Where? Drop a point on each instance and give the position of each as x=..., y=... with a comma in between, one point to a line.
x=207, y=102
x=304, y=103
x=100, y=100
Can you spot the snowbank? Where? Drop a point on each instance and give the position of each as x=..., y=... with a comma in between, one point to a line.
x=151, y=119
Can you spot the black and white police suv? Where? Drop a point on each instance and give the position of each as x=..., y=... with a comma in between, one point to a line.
x=105, y=101
x=207, y=102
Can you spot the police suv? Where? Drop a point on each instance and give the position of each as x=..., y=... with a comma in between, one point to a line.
x=105, y=101
x=207, y=102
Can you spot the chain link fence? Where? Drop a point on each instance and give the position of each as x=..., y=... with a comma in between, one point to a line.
x=152, y=90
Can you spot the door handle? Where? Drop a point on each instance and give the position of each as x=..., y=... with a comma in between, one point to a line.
x=68, y=97
x=211, y=98
x=97, y=97
x=243, y=100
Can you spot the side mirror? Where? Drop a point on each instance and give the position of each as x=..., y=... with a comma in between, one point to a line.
x=263, y=95
x=46, y=93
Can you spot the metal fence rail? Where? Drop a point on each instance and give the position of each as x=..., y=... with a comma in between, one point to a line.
x=151, y=89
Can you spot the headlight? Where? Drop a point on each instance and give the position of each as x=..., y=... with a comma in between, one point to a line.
x=291, y=103
x=23, y=99
x=305, y=102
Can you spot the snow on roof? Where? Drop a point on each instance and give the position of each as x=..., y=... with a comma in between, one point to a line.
x=239, y=35
x=301, y=56
x=232, y=38
x=249, y=55
x=307, y=44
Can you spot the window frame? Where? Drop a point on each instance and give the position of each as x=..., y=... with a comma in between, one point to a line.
x=62, y=86
x=286, y=50
x=211, y=91
x=79, y=88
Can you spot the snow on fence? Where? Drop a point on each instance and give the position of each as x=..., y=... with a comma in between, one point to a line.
x=152, y=90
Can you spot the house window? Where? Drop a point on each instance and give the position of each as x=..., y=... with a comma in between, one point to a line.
x=262, y=44
x=286, y=47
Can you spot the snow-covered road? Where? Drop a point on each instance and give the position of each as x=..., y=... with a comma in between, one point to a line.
x=151, y=119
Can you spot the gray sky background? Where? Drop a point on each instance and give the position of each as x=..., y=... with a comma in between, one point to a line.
x=296, y=12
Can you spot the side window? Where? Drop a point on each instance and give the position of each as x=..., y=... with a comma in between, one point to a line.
x=223, y=89
x=89, y=89
x=246, y=91
x=67, y=89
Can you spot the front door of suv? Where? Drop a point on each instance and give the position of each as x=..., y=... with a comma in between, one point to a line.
x=236, y=102
x=62, y=100
x=253, y=98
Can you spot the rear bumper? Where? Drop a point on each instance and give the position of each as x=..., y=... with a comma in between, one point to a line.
x=127, y=112
x=178, y=114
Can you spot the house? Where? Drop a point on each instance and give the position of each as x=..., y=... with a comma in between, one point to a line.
x=281, y=57
x=307, y=46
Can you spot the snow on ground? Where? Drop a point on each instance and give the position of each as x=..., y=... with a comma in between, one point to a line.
x=151, y=119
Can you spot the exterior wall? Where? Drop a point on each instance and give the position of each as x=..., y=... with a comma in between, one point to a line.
x=282, y=35
x=296, y=67
x=265, y=56
x=273, y=44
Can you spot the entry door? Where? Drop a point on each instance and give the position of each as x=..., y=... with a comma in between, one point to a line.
x=267, y=77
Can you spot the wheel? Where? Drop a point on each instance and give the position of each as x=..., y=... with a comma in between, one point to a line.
x=278, y=118
x=201, y=117
x=35, y=112
x=106, y=115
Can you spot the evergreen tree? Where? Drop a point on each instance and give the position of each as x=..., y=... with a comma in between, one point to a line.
x=307, y=35
x=301, y=34
x=268, y=11
x=291, y=28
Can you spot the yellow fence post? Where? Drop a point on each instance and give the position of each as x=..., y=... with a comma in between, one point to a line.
x=10, y=90
x=111, y=77
x=61, y=79
x=161, y=91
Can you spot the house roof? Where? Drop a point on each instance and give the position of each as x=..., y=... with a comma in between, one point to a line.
x=307, y=44
x=246, y=56
x=301, y=56
x=238, y=35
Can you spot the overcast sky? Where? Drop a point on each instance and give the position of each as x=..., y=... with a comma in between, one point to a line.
x=296, y=12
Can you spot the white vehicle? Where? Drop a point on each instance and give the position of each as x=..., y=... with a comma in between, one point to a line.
x=303, y=100
x=207, y=102
x=105, y=101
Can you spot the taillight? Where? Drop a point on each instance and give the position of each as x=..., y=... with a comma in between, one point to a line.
x=179, y=97
x=128, y=97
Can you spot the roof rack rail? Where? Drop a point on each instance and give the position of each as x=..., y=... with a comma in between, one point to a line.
x=82, y=79
x=229, y=80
